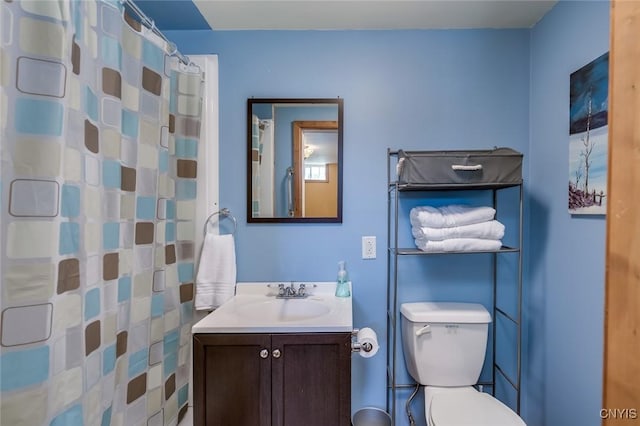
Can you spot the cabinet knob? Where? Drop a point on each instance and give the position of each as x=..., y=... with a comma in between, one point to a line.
x=276, y=353
x=264, y=353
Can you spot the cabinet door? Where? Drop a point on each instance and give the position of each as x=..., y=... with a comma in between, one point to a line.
x=232, y=379
x=311, y=379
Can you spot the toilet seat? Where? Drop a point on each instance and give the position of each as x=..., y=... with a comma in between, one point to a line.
x=470, y=409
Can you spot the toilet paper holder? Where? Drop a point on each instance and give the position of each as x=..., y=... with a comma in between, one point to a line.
x=358, y=346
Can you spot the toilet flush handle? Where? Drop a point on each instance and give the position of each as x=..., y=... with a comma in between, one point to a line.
x=424, y=330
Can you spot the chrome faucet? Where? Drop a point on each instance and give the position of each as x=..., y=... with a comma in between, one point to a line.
x=290, y=292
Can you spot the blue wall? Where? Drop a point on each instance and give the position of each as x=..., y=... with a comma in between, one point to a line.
x=566, y=276
x=448, y=89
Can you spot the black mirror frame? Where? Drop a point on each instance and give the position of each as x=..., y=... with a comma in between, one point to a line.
x=337, y=101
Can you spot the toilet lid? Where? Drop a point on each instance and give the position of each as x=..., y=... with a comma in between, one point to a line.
x=471, y=409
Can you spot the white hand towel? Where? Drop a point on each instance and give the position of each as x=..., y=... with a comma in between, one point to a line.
x=458, y=244
x=216, y=277
x=449, y=216
x=491, y=230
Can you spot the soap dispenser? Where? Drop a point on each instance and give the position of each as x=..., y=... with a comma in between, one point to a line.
x=342, y=286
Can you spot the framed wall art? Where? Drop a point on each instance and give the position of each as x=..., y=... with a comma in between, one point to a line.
x=588, y=137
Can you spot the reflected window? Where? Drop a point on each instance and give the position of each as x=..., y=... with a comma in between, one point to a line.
x=315, y=172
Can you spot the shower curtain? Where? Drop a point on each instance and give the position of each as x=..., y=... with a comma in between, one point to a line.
x=262, y=167
x=256, y=160
x=100, y=127
x=267, y=154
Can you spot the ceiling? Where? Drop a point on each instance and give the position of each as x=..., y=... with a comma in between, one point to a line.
x=343, y=14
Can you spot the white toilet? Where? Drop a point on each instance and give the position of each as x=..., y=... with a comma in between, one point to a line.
x=444, y=349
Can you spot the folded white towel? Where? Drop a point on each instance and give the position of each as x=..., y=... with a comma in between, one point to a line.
x=458, y=244
x=491, y=230
x=449, y=216
x=216, y=277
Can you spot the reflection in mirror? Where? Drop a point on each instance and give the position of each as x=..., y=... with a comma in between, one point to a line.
x=294, y=160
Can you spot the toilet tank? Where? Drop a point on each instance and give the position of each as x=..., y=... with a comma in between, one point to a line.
x=444, y=343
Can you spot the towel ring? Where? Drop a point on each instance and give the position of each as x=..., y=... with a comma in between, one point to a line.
x=224, y=213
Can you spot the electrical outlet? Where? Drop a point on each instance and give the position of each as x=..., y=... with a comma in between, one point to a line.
x=368, y=247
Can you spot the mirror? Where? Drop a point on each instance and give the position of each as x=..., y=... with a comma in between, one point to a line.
x=294, y=166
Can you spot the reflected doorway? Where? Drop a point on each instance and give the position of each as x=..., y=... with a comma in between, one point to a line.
x=315, y=171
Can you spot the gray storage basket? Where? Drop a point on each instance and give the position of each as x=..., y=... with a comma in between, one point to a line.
x=499, y=166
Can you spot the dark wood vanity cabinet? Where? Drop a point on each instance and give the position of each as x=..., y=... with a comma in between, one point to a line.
x=272, y=379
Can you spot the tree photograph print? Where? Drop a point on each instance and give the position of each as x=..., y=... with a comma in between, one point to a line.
x=588, y=137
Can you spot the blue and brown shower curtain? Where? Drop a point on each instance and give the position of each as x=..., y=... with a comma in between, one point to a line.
x=99, y=125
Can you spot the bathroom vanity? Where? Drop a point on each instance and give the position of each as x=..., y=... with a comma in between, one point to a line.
x=259, y=360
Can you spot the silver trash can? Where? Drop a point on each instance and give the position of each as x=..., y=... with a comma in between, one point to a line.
x=371, y=416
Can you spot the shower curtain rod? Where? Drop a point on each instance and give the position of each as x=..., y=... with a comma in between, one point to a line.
x=149, y=23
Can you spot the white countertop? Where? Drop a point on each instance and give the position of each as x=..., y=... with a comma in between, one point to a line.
x=254, y=309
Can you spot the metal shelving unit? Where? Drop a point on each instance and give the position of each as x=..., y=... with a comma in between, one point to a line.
x=395, y=191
